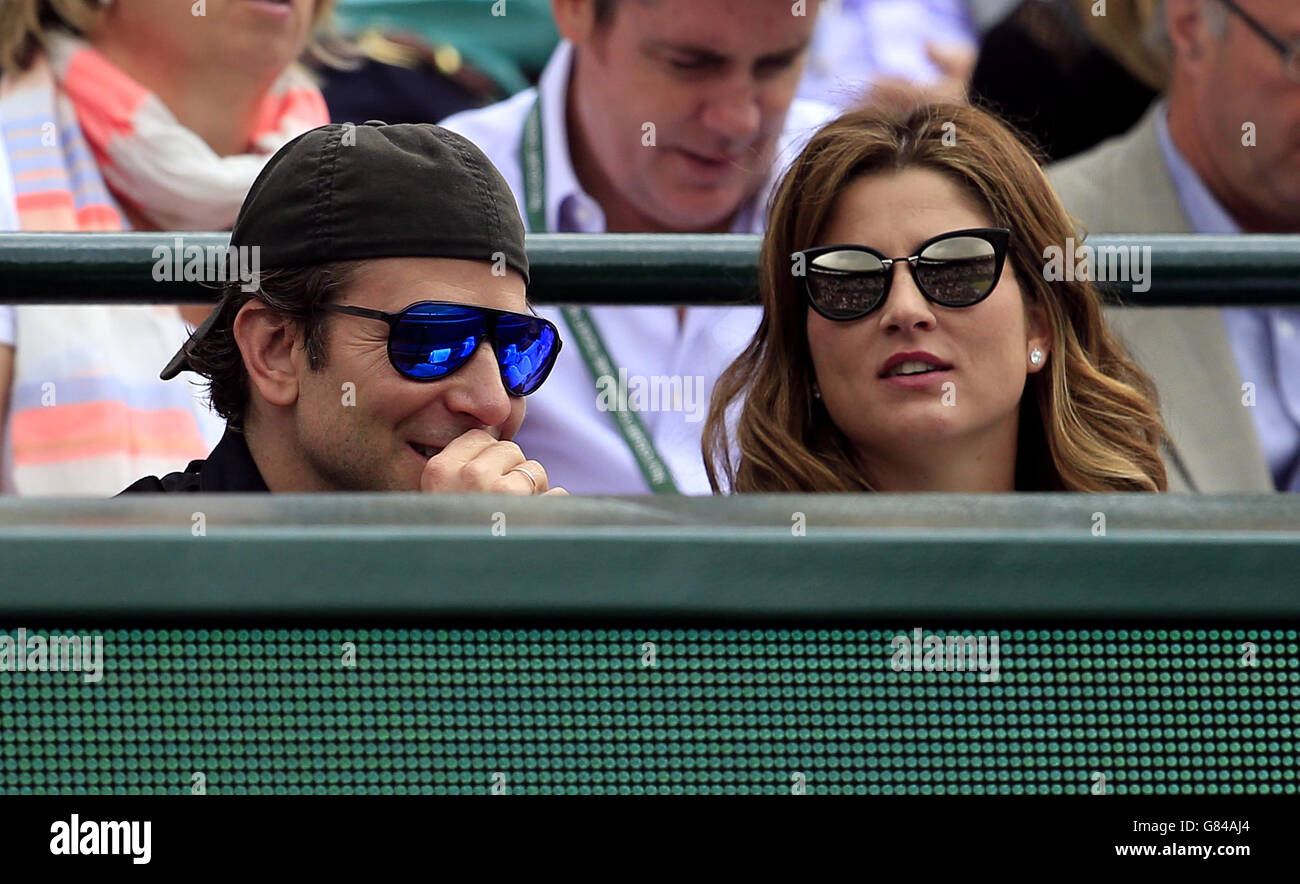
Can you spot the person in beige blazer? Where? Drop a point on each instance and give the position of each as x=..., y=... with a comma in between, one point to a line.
x=1126, y=185
x=1123, y=186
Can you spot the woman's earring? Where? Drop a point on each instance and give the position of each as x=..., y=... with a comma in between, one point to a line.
x=1035, y=356
x=816, y=397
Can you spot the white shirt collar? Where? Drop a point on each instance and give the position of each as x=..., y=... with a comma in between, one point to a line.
x=568, y=207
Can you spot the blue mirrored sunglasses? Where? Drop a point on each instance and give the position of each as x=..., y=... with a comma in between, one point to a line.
x=430, y=340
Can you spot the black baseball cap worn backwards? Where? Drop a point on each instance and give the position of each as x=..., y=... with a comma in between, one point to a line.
x=343, y=192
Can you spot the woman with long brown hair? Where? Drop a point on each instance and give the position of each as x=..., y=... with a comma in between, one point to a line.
x=911, y=338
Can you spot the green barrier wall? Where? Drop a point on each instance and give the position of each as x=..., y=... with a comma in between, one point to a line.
x=654, y=647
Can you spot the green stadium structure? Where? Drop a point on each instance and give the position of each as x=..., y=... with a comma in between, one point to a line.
x=920, y=644
x=760, y=645
x=611, y=268
x=509, y=40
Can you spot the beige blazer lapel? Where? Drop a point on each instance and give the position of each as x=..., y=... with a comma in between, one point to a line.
x=1186, y=351
x=1122, y=185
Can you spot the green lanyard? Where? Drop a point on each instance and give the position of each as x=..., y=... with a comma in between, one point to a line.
x=593, y=349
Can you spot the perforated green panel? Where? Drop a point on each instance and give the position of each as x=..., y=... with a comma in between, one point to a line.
x=723, y=711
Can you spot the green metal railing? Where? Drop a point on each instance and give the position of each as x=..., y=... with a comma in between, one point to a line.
x=54, y=268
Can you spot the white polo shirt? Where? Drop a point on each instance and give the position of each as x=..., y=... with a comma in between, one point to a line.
x=565, y=429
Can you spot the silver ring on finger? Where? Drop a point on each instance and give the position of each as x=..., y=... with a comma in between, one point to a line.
x=527, y=472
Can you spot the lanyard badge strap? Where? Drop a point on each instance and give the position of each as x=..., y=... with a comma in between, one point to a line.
x=594, y=352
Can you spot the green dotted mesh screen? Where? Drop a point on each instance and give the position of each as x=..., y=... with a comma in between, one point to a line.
x=598, y=711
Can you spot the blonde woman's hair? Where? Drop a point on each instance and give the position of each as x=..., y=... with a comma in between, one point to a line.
x=1088, y=421
x=23, y=24
x=1128, y=32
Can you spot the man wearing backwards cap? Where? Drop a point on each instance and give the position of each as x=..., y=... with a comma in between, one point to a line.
x=389, y=344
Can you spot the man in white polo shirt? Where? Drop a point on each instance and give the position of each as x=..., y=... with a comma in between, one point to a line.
x=652, y=116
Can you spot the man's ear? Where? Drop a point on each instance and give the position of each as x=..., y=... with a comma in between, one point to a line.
x=575, y=19
x=1189, y=31
x=266, y=340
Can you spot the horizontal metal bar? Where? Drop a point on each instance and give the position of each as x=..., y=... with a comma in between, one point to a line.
x=59, y=268
x=1156, y=557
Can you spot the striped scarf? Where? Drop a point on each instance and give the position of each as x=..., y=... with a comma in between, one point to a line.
x=88, y=414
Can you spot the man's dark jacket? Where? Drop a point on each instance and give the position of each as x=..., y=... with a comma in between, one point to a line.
x=229, y=467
